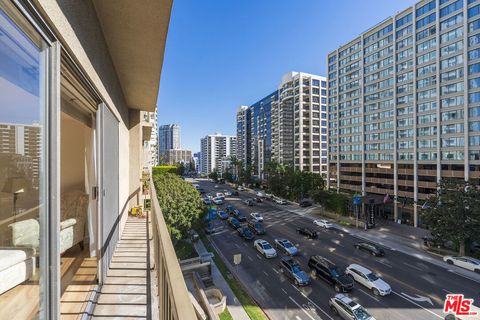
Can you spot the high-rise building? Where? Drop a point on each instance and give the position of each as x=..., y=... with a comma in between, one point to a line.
x=243, y=135
x=299, y=122
x=404, y=105
x=196, y=160
x=215, y=149
x=168, y=138
x=288, y=126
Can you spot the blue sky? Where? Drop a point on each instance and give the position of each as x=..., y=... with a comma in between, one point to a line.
x=221, y=54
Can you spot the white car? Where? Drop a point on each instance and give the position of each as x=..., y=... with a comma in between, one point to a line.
x=286, y=246
x=265, y=248
x=323, y=223
x=220, y=195
x=218, y=200
x=348, y=309
x=367, y=278
x=240, y=188
x=227, y=193
x=468, y=263
x=256, y=216
x=260, y=194
x=280, y=201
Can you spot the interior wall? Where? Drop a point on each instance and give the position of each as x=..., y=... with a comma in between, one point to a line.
x=72, y=146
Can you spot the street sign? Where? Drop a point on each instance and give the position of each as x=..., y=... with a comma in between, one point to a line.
x=237, y=258
x=357, y=199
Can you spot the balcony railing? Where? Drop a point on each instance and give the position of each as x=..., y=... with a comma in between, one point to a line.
x=173, y=299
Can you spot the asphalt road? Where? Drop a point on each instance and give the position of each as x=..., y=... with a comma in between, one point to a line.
x=419, y=287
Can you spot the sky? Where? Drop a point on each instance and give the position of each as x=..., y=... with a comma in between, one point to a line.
x=221, y=54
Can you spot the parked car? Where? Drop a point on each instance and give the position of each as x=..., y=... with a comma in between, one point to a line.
x=233, y=222
x=292, y=270
x=240, y=216
x=265, y=248
x=230, y=209
x=207, y=201
x=438, y=242
x=468, y=263
x=324, y=223
x=308, y=233
x=475, y=247
x=346, y=308
x=369, y=279
x=210, y=228
x=227, y=193
x=256, y=216
x=241, y=188
x=257, y=199
x=218, y=200
x=280, y=201
x=323, y=268
x=286, y=246
x=249, y=202
x=245, y=233
x=306, y=203
x=256, y=227
x=371, y=248
x=222, y=214
x=220, y=195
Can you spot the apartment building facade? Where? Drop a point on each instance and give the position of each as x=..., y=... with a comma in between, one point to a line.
x=150, y=145
x=404, y=105
x=74, y=81
x=243, y=135
x=299, y=122
x=215, y=149
x=173, y=157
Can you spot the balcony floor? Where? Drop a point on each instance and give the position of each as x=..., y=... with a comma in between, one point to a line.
x=126, y=292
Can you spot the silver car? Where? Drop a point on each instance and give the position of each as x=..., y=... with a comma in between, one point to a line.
x=348, y=309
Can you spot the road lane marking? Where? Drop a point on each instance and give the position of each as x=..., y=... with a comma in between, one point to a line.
x=447, y=291
x=418, y=305
x=298, y=318
x=236, y=245
x=275, y=270
x=250, y=258
x=306, y=297
x=284, y=291
x=308, y=314
x=412, y=266
x=385, y=264
x=259, y=257
x=368, y=294
x=265, y=273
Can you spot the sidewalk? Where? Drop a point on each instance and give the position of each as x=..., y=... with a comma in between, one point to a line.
x=234, y=306
x=397, y=237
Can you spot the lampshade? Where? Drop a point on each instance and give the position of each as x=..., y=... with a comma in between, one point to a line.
x=14, y=185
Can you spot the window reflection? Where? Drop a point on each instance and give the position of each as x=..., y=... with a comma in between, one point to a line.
x=20, y=171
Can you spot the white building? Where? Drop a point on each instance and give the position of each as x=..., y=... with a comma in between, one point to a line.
x=151, y=146
x=214, y=150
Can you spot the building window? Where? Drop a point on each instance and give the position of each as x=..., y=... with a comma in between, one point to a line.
x=457, y=5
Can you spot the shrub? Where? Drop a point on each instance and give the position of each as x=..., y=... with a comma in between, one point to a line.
x=332, y=201
x=164, y=169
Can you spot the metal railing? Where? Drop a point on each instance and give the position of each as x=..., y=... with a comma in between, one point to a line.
x=173, y=299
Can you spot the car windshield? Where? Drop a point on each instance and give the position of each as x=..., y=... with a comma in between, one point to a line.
x=267, y=246
x=247, y=232
x=361, y=314
x=287, y=244
x=258, y=225
x=296, y=268
x=372, y=277
x=334, y=272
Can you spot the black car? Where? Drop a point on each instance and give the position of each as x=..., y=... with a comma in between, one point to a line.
x=306, y=203
x=233, y=222
x=210, y=228
x=307, y=232
x=256, y=227
x=256, y=199
x=249, y=202
x=292, y=270
x=235, y=193
x=245, y=233
x=374, y=250
x=230, y=209
x=238, y=215
x=323, y=268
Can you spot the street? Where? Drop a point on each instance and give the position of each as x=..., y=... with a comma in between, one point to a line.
x=418, y=287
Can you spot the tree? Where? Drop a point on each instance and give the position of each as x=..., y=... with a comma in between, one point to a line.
x=181, y=168
x=453, y=214
x=181, y=204
x=213, y=175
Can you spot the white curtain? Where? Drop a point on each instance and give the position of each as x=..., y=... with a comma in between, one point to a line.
x=90, y=182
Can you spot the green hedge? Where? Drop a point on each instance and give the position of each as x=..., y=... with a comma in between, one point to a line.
x=164, y=169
